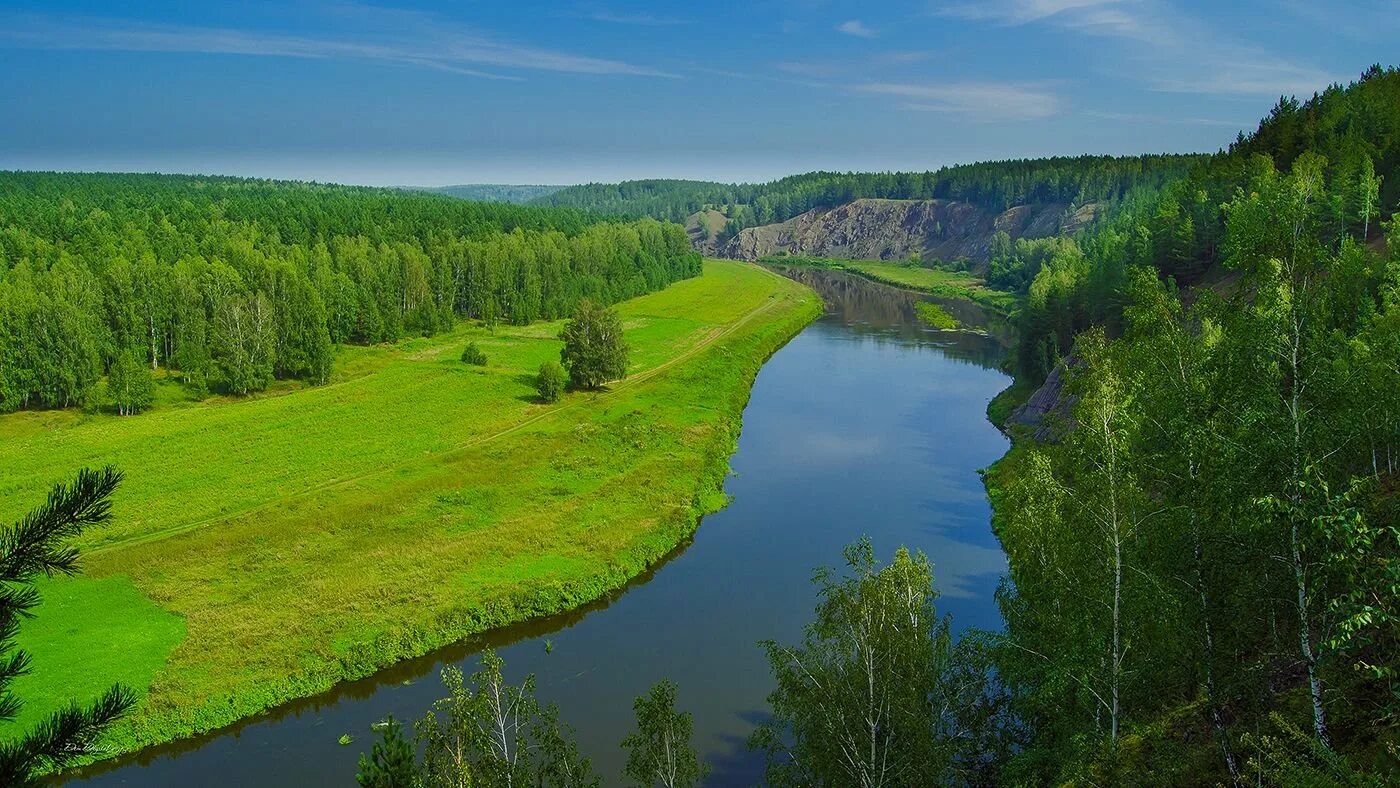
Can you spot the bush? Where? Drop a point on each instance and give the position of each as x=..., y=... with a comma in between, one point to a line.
x=550, y=381
x=471, y=354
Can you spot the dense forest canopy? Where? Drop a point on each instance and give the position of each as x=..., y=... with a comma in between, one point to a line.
x=232, y=282
x=1178, y=229
x=995, y=186
x=1204, y=566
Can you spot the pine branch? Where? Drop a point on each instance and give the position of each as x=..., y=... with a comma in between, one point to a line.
x=66, y=736
x=34, y=545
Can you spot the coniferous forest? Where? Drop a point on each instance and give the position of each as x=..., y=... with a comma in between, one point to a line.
x=232, y=283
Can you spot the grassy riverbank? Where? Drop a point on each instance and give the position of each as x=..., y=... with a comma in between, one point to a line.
x=934, y=281
x=265, y=549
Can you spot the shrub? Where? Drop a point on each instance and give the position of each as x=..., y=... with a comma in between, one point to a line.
x=471, y=354
x=550, y=381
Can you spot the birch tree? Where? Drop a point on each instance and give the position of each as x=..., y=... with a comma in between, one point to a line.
x=1274, y=236
x=490, y=732
x=852, y=706
x=659, y=752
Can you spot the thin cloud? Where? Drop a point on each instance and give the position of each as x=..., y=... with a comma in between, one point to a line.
x=1020, y=12
x=436, y=46
x=983, y=101
x=901, y=56
x=856, y=28
x=1173, y=51
x=641, y=20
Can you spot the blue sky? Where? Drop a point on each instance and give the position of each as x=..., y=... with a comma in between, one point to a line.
x=528, y=92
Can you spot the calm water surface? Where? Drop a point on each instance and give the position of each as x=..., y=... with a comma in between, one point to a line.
x=866, y=423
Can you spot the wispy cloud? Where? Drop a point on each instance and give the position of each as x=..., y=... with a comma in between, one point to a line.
x=983, y=101
x=639, y=19
x=902, y=56
x=415, y=41
x=855, y=27
x=1019, y=12
x=1171, y=50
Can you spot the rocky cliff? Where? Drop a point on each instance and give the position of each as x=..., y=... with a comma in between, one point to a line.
x=898, y=229
x=1048, y=414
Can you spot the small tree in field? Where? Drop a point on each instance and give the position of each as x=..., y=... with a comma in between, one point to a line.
x=37, y=545
x=130, y=385
x=550, y=381
x=594, y=351
x=471, y=354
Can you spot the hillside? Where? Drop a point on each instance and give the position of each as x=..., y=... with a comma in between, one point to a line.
x=930, y=230
x=993, y=186
x=1212, y=455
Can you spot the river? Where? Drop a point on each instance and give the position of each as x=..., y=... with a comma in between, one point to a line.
x=865, y=423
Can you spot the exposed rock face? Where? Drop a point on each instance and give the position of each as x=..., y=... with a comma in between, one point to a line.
x=1047, y=414
x=898, y=229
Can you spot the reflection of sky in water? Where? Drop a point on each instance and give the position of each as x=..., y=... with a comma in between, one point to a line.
x=877, y=431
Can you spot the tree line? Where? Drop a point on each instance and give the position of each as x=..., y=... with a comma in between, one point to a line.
x=995, y=186
x=231, y=283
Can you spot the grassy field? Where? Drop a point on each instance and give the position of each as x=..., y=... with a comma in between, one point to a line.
x=934, y=281
x=264, y=549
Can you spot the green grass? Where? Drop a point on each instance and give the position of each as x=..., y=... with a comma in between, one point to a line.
x=319, y=534
x=125, y=638
x=934, y=281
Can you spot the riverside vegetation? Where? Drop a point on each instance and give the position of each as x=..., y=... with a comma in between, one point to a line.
x=1204, y=558
x=411, y=501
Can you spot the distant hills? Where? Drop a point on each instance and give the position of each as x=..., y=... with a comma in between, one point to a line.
x=491, y=192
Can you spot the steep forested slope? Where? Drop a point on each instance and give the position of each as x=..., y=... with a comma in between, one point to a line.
x=1179, y=228
x=1204, y=568
x=233, y=282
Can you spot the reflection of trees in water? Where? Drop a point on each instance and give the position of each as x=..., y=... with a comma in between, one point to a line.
x=882, y=313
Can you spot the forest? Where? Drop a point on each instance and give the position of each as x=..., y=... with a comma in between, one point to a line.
x=1204, y=566
x=1180, y=229
x=995, y=186
x=231, y=283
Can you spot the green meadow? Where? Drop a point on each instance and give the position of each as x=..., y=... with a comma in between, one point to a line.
x=263, y=549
